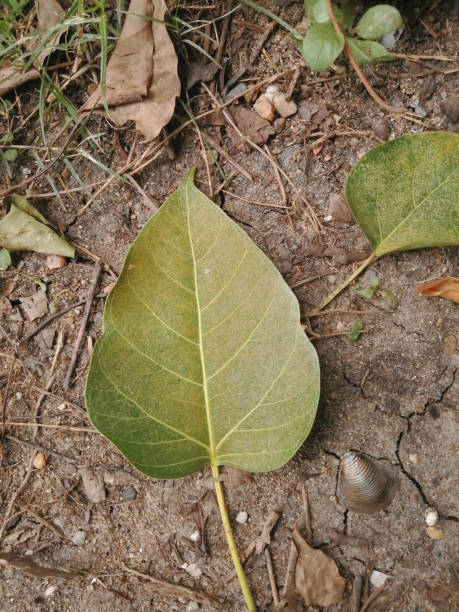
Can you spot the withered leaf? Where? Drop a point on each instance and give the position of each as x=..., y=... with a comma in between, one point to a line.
x=12, y=75
x=316, y=576
x=142, y=81
x=447, y=287
x=251, y=124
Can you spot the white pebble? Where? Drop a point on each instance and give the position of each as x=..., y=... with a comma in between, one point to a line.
x=194, y=570
x=79, y=538
x=377, y=579
x=192, y=607
x=195, y=536
x=242, y=517
x=431, y=516
x=49, y=591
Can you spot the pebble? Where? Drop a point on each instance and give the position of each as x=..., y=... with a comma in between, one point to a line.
x=264, y=108
x=284, y=107
x=377, y=579
x=382, y=129
x=431, y=516
x=54, y=262
x=50, y=590
x=192, y=607
x=242, y=517
x=236, y=91
x=450, y=107
x=435, y=533
x=389, y=41
x=39, y=461
x=420, y=111
x=79, y=538
x=193, y=569
x=195, y=536
x=128, y=493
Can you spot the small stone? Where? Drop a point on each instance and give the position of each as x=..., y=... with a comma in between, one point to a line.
x=192, y=607
x=431, y=516
x=242, y=517
x=128, y=493
x=389, y=40
x=435, y=533
x=195, y=536
x=19, y=395
x=271, y=91
x=236, y=91
x=284, y=107
x=54, y=262
x=338, y=209
x=79, y=538
x=413, y=459
x=264, y=108
x=93, y=485
x=450, y=107
x=194, y=570
x=50, y=590
x=39, y=461
x=382, y=129
x=420, y=111
x=377, y=579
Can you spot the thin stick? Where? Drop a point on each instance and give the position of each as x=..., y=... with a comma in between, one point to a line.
x=221, y=151
x=176, y=590
x=347, y=282
x=372, y=597
x=307, y=515
x=256, y=203
x=250, y=603
x=382, y=103
x=50, y=318
x=356, y=593
x=289, y=585
x=148, y=199
x=7, y=391
x=272, y=578
x=76, y=348
x=51, y=426
x=16, y=495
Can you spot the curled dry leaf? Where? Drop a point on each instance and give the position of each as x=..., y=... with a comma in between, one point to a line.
x=142, y=81
x=24, y=228
x=444, y=287
x=316, y=576
x=49, y=13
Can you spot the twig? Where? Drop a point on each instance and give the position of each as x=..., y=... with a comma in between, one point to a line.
x=307, y=516
x=382, y=103
x=272, y=578
x=176, y=590
x=51, y=426
x=76, y=348
x=47, y=451
x=7, y=391
x=153, y=205
x=347, y=282
x=289, y=586
x=260, y=43
x=372, y=597
x=356, y=593
x=257, y=203
x=54, y=528
x=214, y=144
x=50, y=318
x=277, y=176
x=224, y=33
x=16, y=495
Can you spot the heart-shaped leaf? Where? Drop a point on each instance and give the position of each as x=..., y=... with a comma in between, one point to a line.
x=379, y=20
x=404, y=193
x=321, y=46
x=317, y=11
x=203, y=359
x=368, y=51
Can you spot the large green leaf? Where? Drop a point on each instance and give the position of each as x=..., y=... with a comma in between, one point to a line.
x=404, y=194
x=379, y=20
x=321, y=46
x=203, y=359
x=368, y=51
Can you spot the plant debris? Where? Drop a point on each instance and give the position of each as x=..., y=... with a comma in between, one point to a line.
x=142, y=81
x=447, y=288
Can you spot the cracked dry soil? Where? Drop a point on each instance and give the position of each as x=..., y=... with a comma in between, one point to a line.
x=393, y=394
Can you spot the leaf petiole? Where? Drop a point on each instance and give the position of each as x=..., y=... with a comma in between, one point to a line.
x=250, y=603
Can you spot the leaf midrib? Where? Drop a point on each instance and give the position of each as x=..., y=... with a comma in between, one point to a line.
x=213, y=458
x=413, y=210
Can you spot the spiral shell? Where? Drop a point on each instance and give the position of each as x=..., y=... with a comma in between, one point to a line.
x=365, y=485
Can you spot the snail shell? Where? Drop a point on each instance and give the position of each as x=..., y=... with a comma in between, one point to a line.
x=365, y=485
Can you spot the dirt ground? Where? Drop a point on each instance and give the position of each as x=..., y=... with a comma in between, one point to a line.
x=393, y=394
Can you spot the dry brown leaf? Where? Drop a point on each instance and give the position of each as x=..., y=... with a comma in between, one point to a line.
x=30, y=567
x=250, y=124
x=12, y=75
x=316, y=576
x=444, y=287
x=142, y=81
x=35, y=305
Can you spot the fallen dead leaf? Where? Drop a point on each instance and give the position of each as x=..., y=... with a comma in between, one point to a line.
x=249, y=123
x=338, y=209
x=232, y=477
x=34, y=306
x=317, y=579
x=198, y=72
x=444, y=287
x=142, y=81
x=24, y=228
x=49, y=13
x=93, y=485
